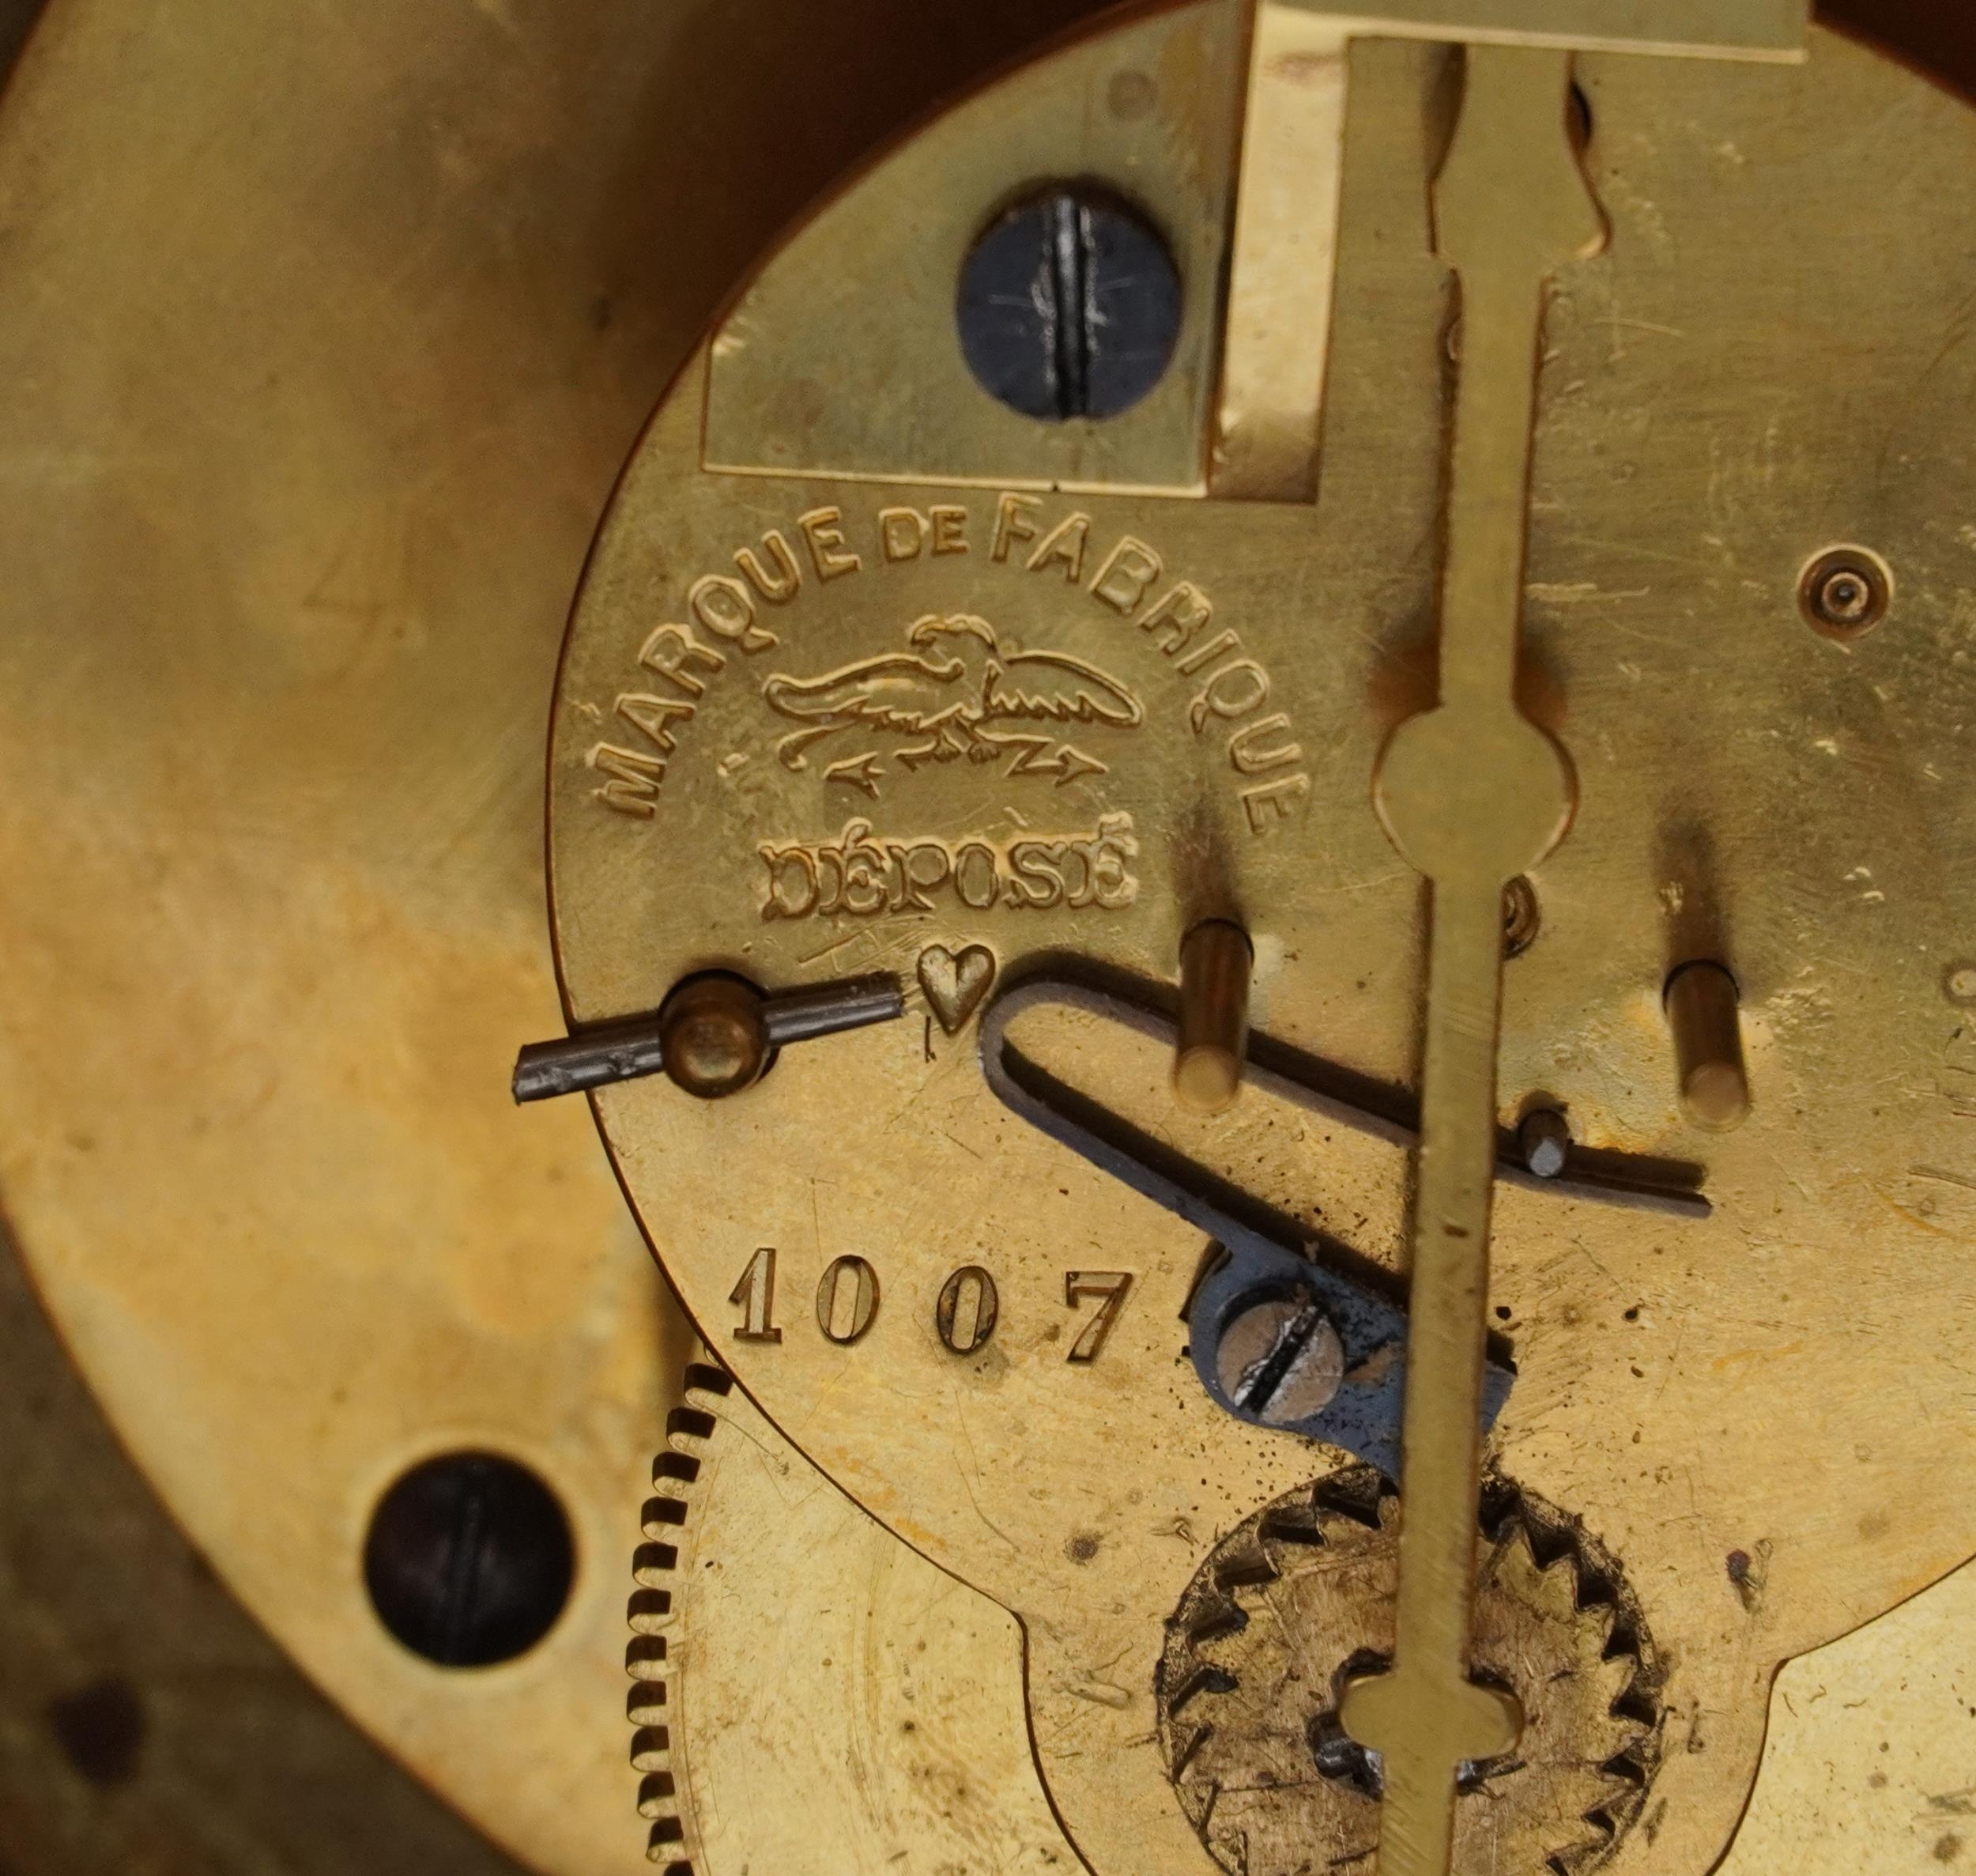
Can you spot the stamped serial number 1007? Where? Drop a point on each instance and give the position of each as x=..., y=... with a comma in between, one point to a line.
x=964, y=1316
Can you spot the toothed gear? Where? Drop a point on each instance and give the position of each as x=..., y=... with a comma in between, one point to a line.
x=1299, y=1600
x=652, y=1613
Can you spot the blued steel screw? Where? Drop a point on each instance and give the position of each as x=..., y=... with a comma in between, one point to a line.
x=1069, y=307
x=468, y=1559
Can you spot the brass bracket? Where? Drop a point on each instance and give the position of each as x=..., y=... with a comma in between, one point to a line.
x=1769, y=29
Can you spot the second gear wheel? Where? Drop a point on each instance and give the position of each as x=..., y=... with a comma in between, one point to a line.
x=809, y=1696
x=1298, y=1600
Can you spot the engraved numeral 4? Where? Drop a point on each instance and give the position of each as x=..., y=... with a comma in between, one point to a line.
x=755, y=1296
x=1110, y=1288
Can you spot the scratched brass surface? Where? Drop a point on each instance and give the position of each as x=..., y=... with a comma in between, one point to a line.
x=832, y=1702
x=324, y=338
x=1867, y=1766
x=1840, y=1804
x=1761, y=1416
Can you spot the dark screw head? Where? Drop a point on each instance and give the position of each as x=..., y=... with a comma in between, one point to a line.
x=1846, y=592
x=468, y=1559
x=1281, y=1360
x=1070, y=306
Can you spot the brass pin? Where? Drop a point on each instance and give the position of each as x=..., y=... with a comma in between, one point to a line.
x=1703, y=1009
x=1215, y=961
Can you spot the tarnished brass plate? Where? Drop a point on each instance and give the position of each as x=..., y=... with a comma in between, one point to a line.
x=1709, y=1397
x=270, y=771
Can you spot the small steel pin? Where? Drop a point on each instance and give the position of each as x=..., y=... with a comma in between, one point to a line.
x=1545, y=1140
x=1704, y=1011
x=1215, y=962
x=715, y=1035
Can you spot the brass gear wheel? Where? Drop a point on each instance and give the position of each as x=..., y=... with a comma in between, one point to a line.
x=809, y=1695
x=1298, y=1600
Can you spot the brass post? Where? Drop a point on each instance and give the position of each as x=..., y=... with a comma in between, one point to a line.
x=1703, y=1009
x=1215, y=962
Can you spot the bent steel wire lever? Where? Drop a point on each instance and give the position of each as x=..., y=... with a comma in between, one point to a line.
x=1269, y=1255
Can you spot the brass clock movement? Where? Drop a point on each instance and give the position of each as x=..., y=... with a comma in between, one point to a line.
x=1422, y=1452
x=1261, y=849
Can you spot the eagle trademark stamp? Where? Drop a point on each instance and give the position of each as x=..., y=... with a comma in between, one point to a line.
x=960, y=687
x=957, y=691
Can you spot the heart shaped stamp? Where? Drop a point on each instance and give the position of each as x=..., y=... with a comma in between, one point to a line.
x=955, y=982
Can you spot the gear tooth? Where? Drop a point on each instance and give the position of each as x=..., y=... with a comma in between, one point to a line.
x=1183, y=1762
x=1629, y=1769
x=1219, y=1611
x=645, y=1706
x=1247, y=1562
x=1605, y=1799
x=1285, y=1555
x=1293, y=1535
x=1251, y=1597
x=673, y=1470
x=1573, y=1859
x=651, y=1749
x=1215, y=1627
x=1586, y=1594
x=689, y=1428
x=669, y=1839
x=1205, y=1678
x=1601, y=1829
x=1606, y=1740
x=1358, y=1496
x=661, y=1518
x=656, y=1796
x=1237, y=1589
x=650, y=1611
x=1615, y=1674
x=645, y=1657
x=1514, y=1564
x=706, y=1384
x=1557, y=1594
x=1555, y=1587
x=653, y=1565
